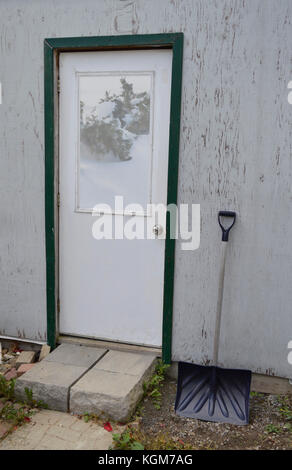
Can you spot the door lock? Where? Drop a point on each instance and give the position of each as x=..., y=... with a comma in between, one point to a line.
x=157, y=230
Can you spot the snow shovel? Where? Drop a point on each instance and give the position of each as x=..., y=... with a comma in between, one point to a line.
x=211, y=393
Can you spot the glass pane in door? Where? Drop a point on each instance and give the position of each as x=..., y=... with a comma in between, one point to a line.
x=115, y=139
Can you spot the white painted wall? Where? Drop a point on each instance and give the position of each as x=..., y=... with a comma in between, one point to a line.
x=236, y=137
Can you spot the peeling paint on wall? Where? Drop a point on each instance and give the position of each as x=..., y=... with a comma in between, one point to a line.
x=125, y=20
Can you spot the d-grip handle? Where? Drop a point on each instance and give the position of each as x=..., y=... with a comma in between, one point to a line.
x=226, y=230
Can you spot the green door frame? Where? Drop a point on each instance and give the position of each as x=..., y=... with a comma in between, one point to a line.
x=52, y=49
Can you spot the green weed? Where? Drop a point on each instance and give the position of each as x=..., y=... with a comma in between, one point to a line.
x=7, y=388
x=126, y=441
x=132, y=439
x=285, y=408
x=272, y=429
x=257, y=394
x=14, y=414
x=152, y=387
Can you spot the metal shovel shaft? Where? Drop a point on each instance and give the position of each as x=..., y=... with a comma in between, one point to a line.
x=225, y=236
x=219, y=305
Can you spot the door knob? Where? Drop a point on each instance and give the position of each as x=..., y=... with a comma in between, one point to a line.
x=157, y=230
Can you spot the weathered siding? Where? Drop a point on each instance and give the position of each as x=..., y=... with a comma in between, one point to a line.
x=235, y=154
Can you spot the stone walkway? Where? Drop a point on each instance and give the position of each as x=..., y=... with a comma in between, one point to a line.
x=54, y=430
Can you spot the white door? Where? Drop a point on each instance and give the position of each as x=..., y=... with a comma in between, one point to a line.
x=114, y=131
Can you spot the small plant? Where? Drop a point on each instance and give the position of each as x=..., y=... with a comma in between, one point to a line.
x=31, y=401
x=15, y=414
x=256, y=394
x=126, y=441
x=132, y=439
x=285, y=408
x=153, y=386
x=87, y=417
x=7, y=388
x=96, y=418
x=272, y=429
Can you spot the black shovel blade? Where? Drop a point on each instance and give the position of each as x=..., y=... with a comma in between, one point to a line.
x=211, y=393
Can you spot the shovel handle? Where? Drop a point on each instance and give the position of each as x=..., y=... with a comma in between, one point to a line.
x=226, y=230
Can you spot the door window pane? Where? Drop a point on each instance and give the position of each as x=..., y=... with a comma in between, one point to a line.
x=115, y=139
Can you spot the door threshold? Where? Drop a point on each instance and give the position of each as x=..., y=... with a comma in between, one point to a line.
x=115, y=346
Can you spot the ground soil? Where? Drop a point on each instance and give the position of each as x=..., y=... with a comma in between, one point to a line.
x=270, y=424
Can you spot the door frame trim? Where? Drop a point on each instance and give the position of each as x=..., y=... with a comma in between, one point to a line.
x=52, y=48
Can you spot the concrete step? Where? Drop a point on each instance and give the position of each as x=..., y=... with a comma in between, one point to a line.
x=114, y=386
x=51, y=379
x=85, y=379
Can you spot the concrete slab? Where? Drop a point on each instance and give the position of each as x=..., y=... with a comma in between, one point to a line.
x=51, y=379
x=50, y=382
x=75, y=355
x=125, y=362
x=113, y=387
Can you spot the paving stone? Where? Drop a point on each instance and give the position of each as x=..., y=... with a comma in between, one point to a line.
x=65, y=419
x=61, y=432
x=101, y=442
x=11, y=374
x=50, y=380
x=24, y=368
x=25, y=357
x=113, y=386
x=45, y=351
x=75, y=355
x=54, y=442
x=47, y=417
x=4, y=428
x=80, y=425
x=25, y=437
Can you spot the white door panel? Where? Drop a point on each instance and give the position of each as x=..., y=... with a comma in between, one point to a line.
x=114, y=130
